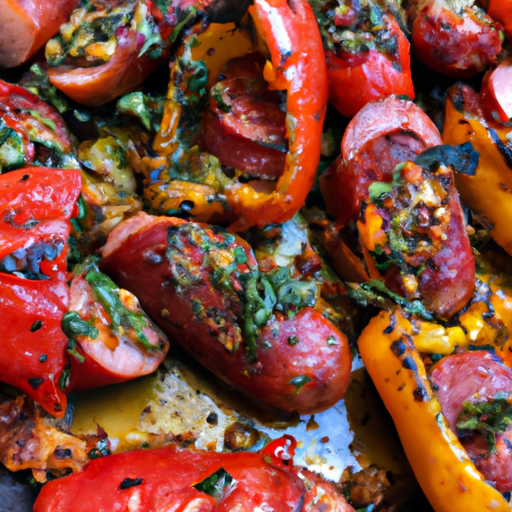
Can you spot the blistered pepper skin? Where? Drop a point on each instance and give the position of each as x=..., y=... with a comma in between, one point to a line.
x=493, y=174
x=442, y=467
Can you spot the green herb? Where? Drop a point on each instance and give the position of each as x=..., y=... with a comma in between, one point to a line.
x=147, y=109
x=12, y=149
x=379, y=188
x=37, y=81
x=489, y=418
x=185, y=16
x=215, y=485
x=36, y=326
x=216, y=94
x=65, y=378
x=106, y=292
x=73, y=325
x=152, y=38
x=260, y=301
x=331, y=340
x=299, y=382
x=292, y=294
x=375, y=292
x=293, y=340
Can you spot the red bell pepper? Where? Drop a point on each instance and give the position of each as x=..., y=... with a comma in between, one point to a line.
x=31, y=132
x=173, y=479
x=372, y=63
x=33, y=346
x=290, y=33
x=35, y=205
x=454, y=43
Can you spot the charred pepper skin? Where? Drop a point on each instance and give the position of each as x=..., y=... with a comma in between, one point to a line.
x=465, y=121
x=442, y=467
x=289, y=30
x=35, y=214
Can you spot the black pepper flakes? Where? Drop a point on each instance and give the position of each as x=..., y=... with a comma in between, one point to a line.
x=212, y=418
x=36, y=326
x=127, y=483
x=35, y=382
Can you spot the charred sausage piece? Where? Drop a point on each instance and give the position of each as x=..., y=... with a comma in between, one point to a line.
x=245, y=127
x=431, y=258
x=414, y=230
x=383, y=134
x=263, y=333
x=473, y=389
x=26, y=26
x=457, y=43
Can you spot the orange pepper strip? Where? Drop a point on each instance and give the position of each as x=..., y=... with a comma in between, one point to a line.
x=488, y=191
x=443, y=469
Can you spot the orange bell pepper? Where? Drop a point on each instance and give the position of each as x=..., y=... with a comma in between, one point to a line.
x=445, y=472
x=488, y=191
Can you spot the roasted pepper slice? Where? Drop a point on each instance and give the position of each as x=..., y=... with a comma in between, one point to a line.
x=487, y=191
x=366, y=50
x=442, y=467
x=452, y=40
x=289, y=31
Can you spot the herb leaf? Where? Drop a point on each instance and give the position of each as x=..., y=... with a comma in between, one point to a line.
x=299, y=382
x=375, y=292
x=106, y=292
x=215, y=485
x=490, y=418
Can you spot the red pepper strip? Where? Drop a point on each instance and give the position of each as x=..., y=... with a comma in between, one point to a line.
x=457, y=44
x=172, y=479
x=35, y=204
x=36, y=193
x=33, y=346
x=26, y=26
x=355, y=80
x=14, y=99
x=289, y=30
